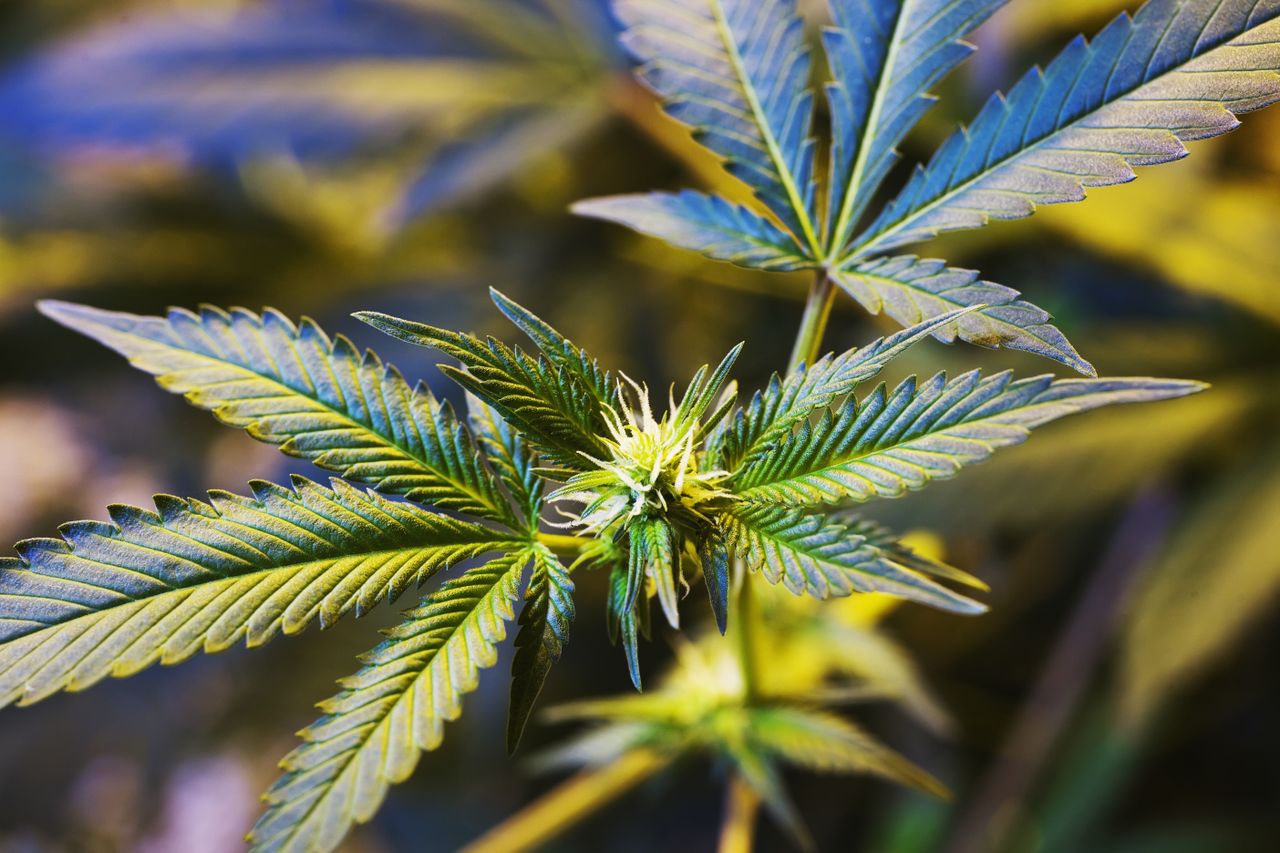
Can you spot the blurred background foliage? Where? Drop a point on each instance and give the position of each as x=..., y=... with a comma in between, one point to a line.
x=402, y=155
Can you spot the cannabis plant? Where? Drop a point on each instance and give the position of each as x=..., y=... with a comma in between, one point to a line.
x=561, y=466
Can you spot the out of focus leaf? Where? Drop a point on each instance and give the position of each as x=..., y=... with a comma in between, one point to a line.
x=824, y=742
x=1218, y=575
x=1225, y=246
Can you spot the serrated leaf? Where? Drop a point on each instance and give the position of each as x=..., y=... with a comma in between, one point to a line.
x=713, y=555
x=626, y=617
x=654, y=559
x=890, y=443
x=113, y=599
x=1179, y=70
x=817, y=740
x=775, y=411
x=505, y=451
x=708, y=224
x=544, y=631
x=884, y=57
x=558, y=349
x=892, y=546
x=817, y=556
x=911, y=290
x=388, y=713
x=316, y=398
x=552, y=406
x=737, y=72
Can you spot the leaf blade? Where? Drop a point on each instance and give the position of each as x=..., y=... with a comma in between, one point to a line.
x=158, y=587
x=737, y=72
x=910, y=290
x=892, y=443
x=884, y=58
x=393, y=709
x=316, y=398
x=707, y=224
x=544, y=632
x=1175, y=72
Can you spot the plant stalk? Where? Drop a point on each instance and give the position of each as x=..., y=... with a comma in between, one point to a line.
x=569, y=803
x=813, y=326
x=564, y=546
x=741, y=807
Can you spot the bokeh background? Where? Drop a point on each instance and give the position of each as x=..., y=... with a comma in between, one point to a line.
x=403, y=155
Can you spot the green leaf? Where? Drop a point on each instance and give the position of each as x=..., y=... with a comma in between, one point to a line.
x=318, y=399
x=889, y=543
x=704, y=223
x=654, y=558
x=1216, y=577
x=559, y=350
x=628, y=616
x=737, y=72
x=1179, y=70
x=552, y=406
x=816, y=740
x=911, y=290
x=891, y=443
x=884, y=57
x=544, y=631
x=113, y=599
x=775, y=411
x=505, y=451
x=389, y=712
x=811, y=554
x=713, y=555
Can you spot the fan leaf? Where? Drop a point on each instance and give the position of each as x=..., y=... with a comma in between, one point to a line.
x=544, y=630
x=113, y=599
x=389, y=712
x=775, y=411
x=884, y=58
x=704, y=223
x=737, y=72
x=823, y=558
x=1179, y=70
x=824, y=742
x=911, y=290
x=891, y=443
x=554, y=407
x=510, y=459
x=316, y=398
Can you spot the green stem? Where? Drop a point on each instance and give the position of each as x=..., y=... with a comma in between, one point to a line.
x=741, y=805
x=566, y=805
x=564, y=546
x=813, y=326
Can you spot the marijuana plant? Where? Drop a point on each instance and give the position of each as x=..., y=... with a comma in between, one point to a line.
x=560, y=465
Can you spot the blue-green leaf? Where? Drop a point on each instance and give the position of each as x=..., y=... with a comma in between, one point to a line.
x=558, y=349
x=544, y=631
x=884, y=56
x=389, y=712
x=737, y=72
x=506, y=453
x=823, y=558
x=1179, y=70
x=714, y=226
x=890, y=443
x=773, y=412
x=911, y=290
x=552, y=406
x=113, y=599
x=316, y=398
x=713, y=555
